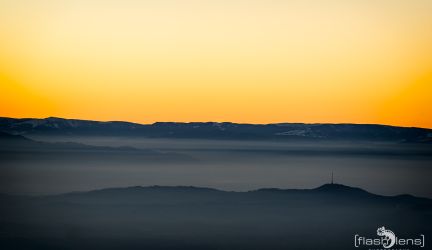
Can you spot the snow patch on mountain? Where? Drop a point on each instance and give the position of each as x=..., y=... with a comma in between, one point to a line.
x=293, y=133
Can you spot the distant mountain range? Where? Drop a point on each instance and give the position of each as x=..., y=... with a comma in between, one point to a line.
x=214, y=130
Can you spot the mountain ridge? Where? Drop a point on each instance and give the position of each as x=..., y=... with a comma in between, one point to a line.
x=55, y=118
x=215, y=130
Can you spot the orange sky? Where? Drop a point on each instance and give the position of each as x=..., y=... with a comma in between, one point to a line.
x=254, y=61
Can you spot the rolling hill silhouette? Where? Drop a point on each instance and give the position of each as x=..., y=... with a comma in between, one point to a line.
x=6, y=137
x=161, y=217
x=18, y=146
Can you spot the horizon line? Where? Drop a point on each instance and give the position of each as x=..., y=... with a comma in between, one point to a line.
x=245, y=123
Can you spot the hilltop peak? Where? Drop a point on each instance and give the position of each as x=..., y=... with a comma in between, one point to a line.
x=340, y=189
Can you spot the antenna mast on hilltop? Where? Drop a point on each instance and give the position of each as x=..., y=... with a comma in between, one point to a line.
x=332, y=178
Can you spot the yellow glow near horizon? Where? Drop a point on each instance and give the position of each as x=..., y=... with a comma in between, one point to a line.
x=255, y=61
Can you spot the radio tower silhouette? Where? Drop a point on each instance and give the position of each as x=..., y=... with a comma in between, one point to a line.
x=332, y=179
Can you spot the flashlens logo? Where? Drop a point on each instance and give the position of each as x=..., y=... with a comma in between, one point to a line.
x=388, y=240
x=390, y=237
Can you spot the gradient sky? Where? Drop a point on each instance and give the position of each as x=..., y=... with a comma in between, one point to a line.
x=256, y=61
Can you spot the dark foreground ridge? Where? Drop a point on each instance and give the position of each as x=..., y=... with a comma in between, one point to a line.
x=335, y=190
x=161, y=217
x=215, y=130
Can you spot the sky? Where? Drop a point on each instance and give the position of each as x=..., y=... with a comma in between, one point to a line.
x=255, y=61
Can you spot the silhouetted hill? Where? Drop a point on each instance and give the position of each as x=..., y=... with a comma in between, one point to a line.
x=161, y=217
x=9, y=141
x=20, y=147
x=340, y=189
x=187, y=194
x=9, y=137
x=213, y=130
x=334, y=194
